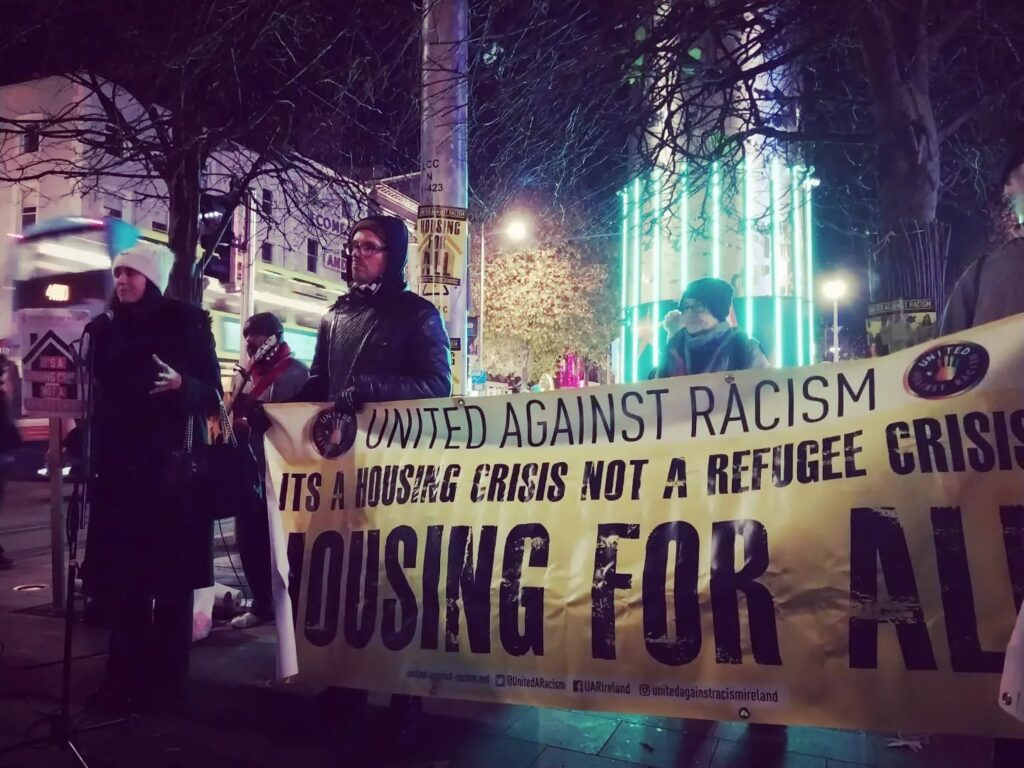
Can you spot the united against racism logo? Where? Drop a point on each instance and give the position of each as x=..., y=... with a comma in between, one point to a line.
x=947, y=370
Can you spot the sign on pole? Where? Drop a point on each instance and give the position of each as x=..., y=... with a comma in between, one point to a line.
x=443, y=242
x=52, y=388
x=52, y=383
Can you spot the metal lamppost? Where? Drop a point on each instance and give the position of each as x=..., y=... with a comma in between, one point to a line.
x=834, y=290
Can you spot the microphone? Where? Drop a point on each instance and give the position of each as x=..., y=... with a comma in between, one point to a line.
x=98, y=322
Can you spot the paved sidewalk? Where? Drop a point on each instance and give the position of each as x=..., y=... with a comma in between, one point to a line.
x=236, y=715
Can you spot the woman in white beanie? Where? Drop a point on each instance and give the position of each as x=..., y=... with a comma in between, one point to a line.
x=155, y=369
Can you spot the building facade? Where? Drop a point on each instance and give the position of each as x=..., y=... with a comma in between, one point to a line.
x=294, y=242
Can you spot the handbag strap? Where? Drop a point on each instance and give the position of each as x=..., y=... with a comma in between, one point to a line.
x=226, y=428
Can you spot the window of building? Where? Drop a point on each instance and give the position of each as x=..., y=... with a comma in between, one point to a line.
x=268, y=203
x=159, y=226
x=113, y=206
x=30, y=141
x=267, y=252
x=28, y=214
x=138, y=210
x=113, y=144
x=312, y=254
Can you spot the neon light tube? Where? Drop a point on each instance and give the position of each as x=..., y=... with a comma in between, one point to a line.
x=656, y=302
x=809, y=250
x=684, y=232
x=748, y=240
x=776, y=259
x=636, y=278
x=797, y=259
x=624, y=266
x=716, y=220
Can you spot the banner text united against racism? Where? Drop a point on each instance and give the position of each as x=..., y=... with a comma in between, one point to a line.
x=795, y=543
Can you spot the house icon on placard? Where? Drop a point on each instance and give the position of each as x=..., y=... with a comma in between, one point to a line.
x=50, y=368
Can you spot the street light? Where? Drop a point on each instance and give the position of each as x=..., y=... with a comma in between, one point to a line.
x=516, y=230
x=834, y=290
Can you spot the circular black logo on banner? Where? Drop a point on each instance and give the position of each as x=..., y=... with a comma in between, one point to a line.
x=333, y=433
x=947, y=370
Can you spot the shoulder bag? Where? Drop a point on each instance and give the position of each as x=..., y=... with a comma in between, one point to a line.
x=224, y=477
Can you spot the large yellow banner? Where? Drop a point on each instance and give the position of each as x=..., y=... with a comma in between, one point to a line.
x=840, y=545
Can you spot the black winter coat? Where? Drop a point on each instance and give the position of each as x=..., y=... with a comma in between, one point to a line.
x=390, y=346
x=141, y=527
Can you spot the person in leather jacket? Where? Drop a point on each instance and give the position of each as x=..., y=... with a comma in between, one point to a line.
x=379, y=342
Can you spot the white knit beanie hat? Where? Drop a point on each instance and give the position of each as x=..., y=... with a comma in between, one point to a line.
x=151, y=259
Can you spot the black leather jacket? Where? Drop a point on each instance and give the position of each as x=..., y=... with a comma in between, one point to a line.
x=389, y=346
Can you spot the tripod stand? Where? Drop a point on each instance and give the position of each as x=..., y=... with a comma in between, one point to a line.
x=63, y=729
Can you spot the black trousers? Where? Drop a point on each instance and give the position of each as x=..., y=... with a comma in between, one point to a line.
x=1008, y=753
x=252, y=534
x=150, y=641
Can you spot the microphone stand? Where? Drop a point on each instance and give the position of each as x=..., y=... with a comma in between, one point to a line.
x=63, y=729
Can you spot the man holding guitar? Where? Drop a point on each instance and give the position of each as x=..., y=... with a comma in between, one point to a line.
x=272, y=375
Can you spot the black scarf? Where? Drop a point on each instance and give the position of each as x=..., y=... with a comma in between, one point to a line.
x=124, y=353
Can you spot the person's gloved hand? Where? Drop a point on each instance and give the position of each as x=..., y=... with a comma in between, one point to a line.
x=348, y=402
x=258, y=420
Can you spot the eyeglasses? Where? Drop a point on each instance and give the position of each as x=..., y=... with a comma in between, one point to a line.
x=365, y=249
x=693, y=306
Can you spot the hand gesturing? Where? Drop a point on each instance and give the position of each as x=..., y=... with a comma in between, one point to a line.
x=167, y=379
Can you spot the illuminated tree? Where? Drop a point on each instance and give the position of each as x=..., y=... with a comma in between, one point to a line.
x=543, y=303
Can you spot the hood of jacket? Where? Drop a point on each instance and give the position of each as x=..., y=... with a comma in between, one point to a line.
x=396, y=239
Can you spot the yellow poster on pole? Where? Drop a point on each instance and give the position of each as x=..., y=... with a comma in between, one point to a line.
x=838, y=545
x=443, y=243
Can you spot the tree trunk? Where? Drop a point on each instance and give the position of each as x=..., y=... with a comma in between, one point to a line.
x=910, y=260
x=908, y=157
x=183, y=189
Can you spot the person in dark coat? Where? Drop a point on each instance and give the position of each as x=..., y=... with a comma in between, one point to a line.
x=10, y=441
x=272, y=375
x=707, y=343
x=155, y=368
x=379, y=342
x=993, y=288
